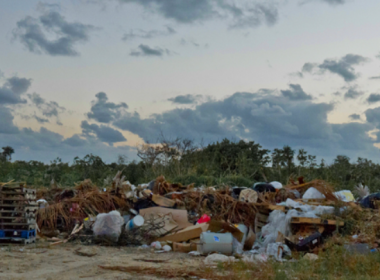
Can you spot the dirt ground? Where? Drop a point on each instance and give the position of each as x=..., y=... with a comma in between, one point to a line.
x=41, y=261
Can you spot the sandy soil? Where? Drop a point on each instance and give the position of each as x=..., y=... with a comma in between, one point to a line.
x=41, y=261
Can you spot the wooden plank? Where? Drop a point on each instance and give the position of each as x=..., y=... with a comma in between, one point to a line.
x=11, y=211
x=16, y=199
x=17, y=224
x=7, y=240
x=15, y=205
x=277, y=207
x=304, y=220
x=10, y=192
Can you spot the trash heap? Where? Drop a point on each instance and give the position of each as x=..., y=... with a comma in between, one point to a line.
x=255, y=223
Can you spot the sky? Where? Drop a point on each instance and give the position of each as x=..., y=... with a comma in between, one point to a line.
x=104, y=76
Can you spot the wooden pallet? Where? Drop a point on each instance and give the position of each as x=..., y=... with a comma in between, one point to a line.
x=16, y=240
x=18, y=209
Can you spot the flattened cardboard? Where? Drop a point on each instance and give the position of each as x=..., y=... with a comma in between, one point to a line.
x=179, y=216
x=170, y=224
x=186, y=234
x=163, y=201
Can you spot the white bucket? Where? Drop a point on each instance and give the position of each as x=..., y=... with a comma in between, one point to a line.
x=136, y=222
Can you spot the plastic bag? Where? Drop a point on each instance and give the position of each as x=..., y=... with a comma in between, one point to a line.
x=344, y=195
x=237, y=247
x=313, y=193
x=276, y=185
x=278, y=250
x=217, y=258
x=108, y=225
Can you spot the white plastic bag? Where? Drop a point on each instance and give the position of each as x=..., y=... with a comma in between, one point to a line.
x=313, y=193
x=108, y=225
x=216, y=258
x=276, y=185
x=277, y=250
x=237, y=247
x=344, y=195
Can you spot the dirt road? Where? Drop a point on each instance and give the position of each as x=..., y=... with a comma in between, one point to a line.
x=69, y=261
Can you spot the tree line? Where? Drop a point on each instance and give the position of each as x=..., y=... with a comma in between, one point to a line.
x=227, y=162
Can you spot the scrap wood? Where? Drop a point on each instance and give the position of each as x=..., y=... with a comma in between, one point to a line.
x=305, y=220
x=75, y=231
x=3, y=184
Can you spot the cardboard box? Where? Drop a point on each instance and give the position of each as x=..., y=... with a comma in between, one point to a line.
x=222, y=227
x=184, y=247
x=186, y=234
x=179, y=216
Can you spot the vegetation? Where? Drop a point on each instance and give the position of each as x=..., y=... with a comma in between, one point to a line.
x=227, y=162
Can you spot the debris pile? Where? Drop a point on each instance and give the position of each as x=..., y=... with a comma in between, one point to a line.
x=266, y=220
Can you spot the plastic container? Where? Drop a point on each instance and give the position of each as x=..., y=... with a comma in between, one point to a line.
x=216, y=242
x=204, y=219
x=136, y=222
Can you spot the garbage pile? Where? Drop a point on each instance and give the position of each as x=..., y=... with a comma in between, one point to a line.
x=267, y=220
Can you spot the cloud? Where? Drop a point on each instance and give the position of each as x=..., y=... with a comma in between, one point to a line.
x=184, y=42
x=295, y=93
x=19, y=85
x=75, y=141
x=103, y=133
x=342, y=67
x=246, y=14
x=35, y=33
x=185, y=99
x=373, y=98
x=104, y=111
x=140, y=33
x=144, y=50
x=355, y=117
x=48, y=109
x=272, y=120
x=352, y=93
x=335, y=2
x=41, y=120
x=45, y=145
x=330, y=2
x=375, y=78
x=181, y=11
x=12, y=90
x=6, y=123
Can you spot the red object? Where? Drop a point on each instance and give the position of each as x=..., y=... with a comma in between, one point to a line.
x=204, y=219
